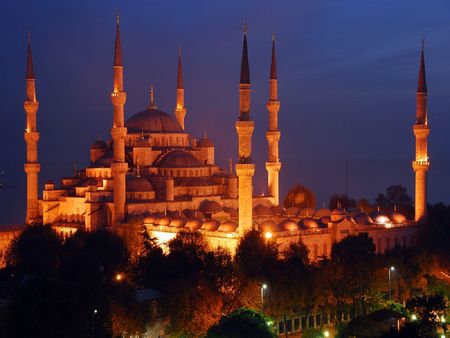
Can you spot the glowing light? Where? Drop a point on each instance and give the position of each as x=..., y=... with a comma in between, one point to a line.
x=95, y=311
x=326, y=334
x=413, y=317
x=392, y=268
x=443, y=319
x=268, y=235
x=119, y=277
x=264, y=286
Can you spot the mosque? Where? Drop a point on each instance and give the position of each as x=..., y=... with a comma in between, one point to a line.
x=153, y=173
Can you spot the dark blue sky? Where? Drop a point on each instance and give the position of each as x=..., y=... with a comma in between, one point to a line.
x=347, y=79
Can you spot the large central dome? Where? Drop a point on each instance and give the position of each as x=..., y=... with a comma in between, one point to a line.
x=153, y=121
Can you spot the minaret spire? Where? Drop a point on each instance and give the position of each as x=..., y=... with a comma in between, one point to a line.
x=31, y=135
x=180, y=109
x=119, y=166
x=245, y=126
x=421, y=132
x=273, y=134
x=117, y=46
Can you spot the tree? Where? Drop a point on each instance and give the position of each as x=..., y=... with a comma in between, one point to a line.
x=242, y=323
x=364, y=205
x=301, y=197
x=35, y=252
x=396, y=197
x=342, y=201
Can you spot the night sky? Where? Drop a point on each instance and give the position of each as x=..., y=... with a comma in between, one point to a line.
x=347, y=80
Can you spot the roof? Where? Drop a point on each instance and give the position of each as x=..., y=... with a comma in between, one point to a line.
x=179, y=159
x=245, y=69
x=153, y=121
x=104, y=161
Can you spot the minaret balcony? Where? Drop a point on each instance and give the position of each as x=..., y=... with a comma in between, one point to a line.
x=31, y=136
x=118, y=98
x=32, y=167
x=421, y=165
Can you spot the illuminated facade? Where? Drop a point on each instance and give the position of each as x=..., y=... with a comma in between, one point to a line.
x=154, y=173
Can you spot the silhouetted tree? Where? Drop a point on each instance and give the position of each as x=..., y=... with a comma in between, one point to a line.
x=301, y=197
x=342, y=201
x=396, y=197
x=364, y=205
x=242, y=323
x=35, y=252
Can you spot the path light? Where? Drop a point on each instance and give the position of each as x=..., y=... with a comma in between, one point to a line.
x=268, y=235
x=413, y=317
x=326, y=334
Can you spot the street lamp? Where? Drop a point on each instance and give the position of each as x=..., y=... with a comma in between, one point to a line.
x=326, y=333
x=390, y=290
x=263, y=287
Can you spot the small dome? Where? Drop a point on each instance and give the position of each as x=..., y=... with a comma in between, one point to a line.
x=178, y=222
x=322, y=213
x=228, y=226
x=306, y=212
x=210, y=225
x=163, y=221
x=338, y=215
x=150, y=220
x=325, y=220
x=268, y=225
x=194, y=224
x=290, y=212
x=180, y=159
x=262, y=211
x=276, y=210
x=99, y=144
x=153, y=121
x=362, y=218
x=232, y=211
x=138, y=184
x=205, y=143
x=210, y=206
x=398, y=217
x=308, y=223
x=288, y=225
x=381, y=219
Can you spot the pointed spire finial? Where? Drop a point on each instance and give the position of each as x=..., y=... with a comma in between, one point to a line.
x=180, y=70
x=273, y=65
x=245, y=69
x=245, y=28
x=152, y=98
x=231, y=166
x=204, y=134
x=30, y=68
x=117, y=46
x=422, y=82
x=138, y=174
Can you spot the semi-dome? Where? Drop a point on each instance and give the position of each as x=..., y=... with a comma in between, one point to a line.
x=178, y=222
x=138, y=184
x=291, y=211
x=288, y=225
x=150, y=219
x=210, y=225
x=276, y=210
x=323, y=212
x=153, y=121
x=205, y=143
x=338, y=215
x=180, y=159
x=163, y=221
x=99, y=144
x=194, y=224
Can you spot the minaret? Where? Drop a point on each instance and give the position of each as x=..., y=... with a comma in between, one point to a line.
x=32, y=166
x=119, y=167
x=180, y=110
x=244, y=128
x=421, y=131
x=273, y=164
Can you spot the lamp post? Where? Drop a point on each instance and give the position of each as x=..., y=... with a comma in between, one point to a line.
x=389, y=273
x=263, y=287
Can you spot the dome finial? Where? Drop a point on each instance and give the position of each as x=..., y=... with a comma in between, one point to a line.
x=231, y=166
x=152, y=98
x=138, y=174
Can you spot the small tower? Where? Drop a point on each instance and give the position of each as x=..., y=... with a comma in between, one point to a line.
x=180, y=109
x=32, y=166
x=245, y=169
x=421, y=132
x=273, y=164
x=119, y=167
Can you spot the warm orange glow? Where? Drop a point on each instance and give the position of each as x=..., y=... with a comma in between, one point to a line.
x=119, y=277
x=268, y=235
